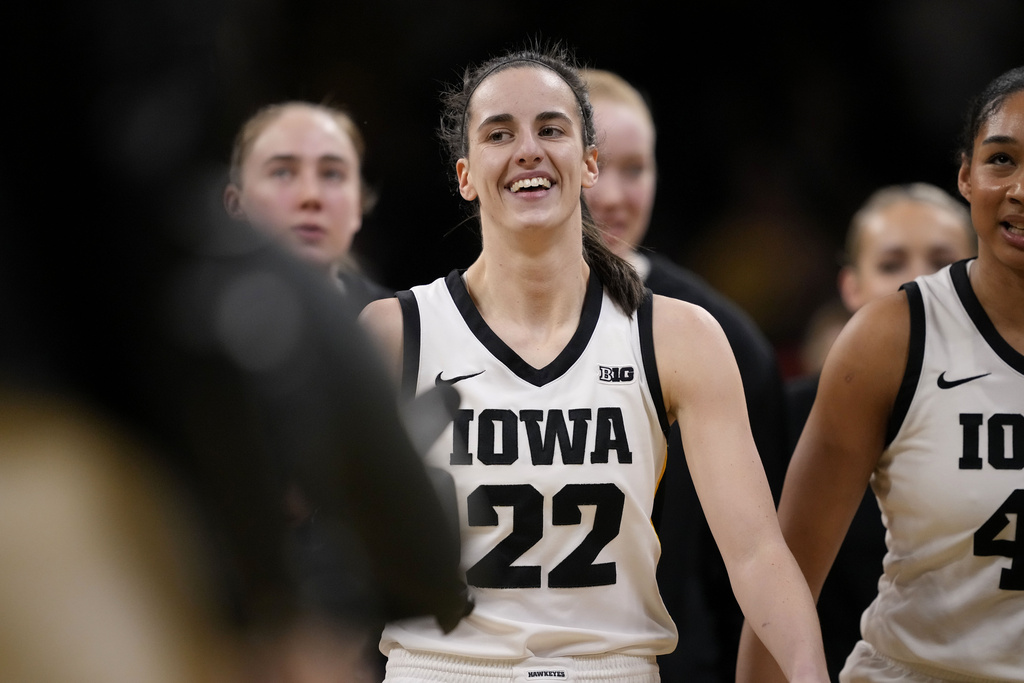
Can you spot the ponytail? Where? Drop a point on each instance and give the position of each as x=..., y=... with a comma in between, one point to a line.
x=617, y=275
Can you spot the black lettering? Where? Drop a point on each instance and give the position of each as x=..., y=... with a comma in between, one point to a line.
x=969, y=459
x=495, y=569
x=460, y=454
x=987, y=543
x=578, y=568
x=611, y=435
x=486, y=446
x=998, y=456
x=542, y=450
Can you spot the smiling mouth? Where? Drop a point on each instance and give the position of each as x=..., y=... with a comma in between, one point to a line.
x=1013, y=228
x=530, y=185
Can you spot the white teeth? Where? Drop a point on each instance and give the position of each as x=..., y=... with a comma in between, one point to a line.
x=530, y=182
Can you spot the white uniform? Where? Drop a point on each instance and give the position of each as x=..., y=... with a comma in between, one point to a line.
x=555, y=470
x=950, y=486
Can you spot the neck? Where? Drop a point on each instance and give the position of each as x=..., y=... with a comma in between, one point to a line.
x=1000, y=291
x=532, y=291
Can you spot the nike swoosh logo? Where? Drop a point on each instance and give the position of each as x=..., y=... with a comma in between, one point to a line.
x=950, y=383
x=440, y=382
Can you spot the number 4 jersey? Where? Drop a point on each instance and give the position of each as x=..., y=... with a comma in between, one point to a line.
x=555, y=470
x=951, y=489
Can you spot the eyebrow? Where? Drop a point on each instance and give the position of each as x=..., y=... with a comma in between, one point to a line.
x=543, y=116
x=999, y=140
x=334, y=158
x=550, y=115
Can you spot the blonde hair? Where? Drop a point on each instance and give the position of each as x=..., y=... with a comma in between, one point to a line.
x=921, y=193
x=258, y=122
x=610, y=87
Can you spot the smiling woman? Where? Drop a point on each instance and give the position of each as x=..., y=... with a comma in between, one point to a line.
x=922, y=397
x=570, y=374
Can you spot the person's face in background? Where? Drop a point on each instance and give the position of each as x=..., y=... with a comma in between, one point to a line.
x=897, y=244
x=622, y=199
x=300, y=182
x=992, y=180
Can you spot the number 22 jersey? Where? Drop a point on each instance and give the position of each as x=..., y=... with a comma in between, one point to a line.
x=951, y=489
x=555, y=471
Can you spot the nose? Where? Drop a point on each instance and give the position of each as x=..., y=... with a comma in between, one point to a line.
x=309, y=191
x=1015, y=190
x=529, y=151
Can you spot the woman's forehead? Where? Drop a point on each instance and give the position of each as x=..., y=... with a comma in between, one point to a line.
x=1007, y=119
x=302, y=130
x=520, y=90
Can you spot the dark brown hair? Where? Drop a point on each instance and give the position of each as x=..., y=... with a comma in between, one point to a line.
x=619, y=277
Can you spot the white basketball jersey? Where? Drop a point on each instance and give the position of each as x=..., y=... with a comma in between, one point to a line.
x=951, y=489
x=555, y=470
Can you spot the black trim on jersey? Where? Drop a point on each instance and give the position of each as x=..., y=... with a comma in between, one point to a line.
x=645, y=321
x=915, y=361
x=500, y=350
x=410, y=342
x=962, y=285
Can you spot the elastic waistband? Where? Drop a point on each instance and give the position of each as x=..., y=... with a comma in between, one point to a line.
x=939, y=674
x=406, y=666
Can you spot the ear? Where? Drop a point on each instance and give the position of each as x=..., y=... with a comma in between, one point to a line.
x=963, y=178
x=849, y=288
x=466, y=188
x=233, y=201
x=590, y=170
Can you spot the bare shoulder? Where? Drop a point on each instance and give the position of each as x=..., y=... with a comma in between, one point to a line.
x=861, y=379
x=382, y=319
x=674, y=317
x=845, y=432
x=693, y=355
x=872, y=348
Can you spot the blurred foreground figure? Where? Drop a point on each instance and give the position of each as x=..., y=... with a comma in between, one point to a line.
x=130, y=300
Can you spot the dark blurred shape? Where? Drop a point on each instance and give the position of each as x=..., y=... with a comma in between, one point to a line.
x=125, y=290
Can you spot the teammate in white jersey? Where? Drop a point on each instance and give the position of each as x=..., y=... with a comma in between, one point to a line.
x=570, y=373
x=922, y=396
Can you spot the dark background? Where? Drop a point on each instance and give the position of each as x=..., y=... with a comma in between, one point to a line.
x=775, y=120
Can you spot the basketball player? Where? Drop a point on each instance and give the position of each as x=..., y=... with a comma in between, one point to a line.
x=570, y=374
x=923, y=396
x=899, y=233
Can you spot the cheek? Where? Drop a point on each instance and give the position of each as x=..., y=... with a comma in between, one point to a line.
x=347, y=208
x=640, y=198
x=265, y=209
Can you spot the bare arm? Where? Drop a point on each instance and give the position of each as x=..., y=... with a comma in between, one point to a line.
x=838, y=449
x=703, y=391
x=382, y=319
